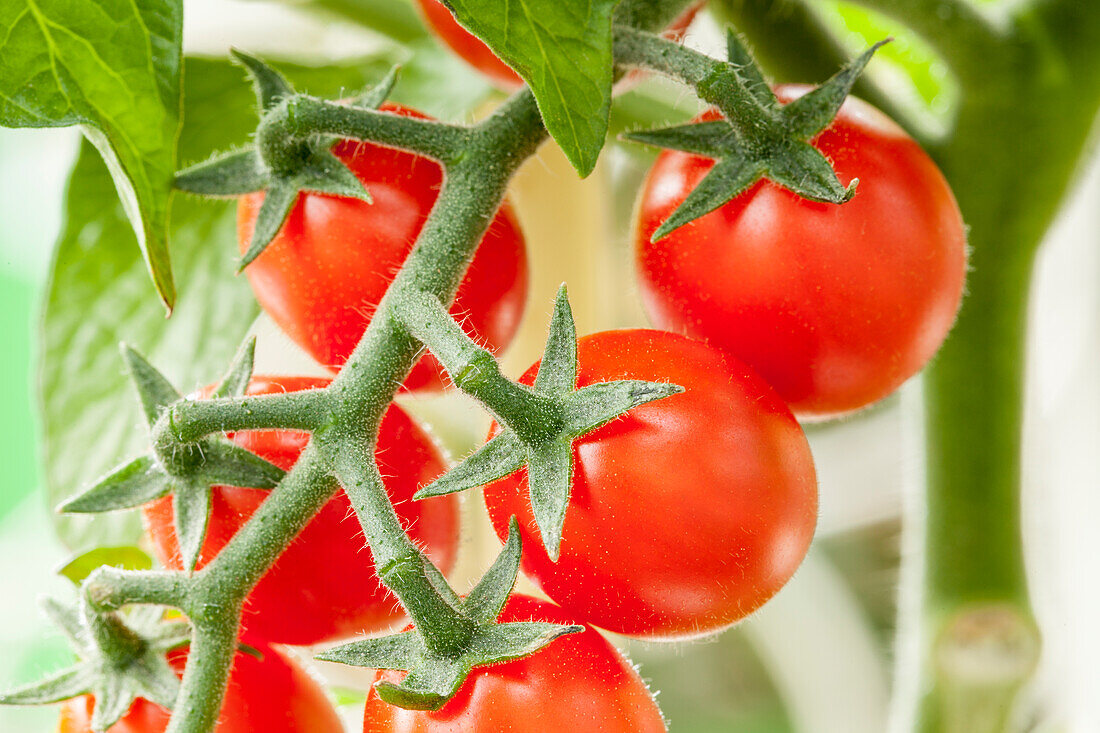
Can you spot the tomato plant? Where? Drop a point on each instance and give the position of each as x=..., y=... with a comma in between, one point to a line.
x=323, y=275
x=321, y=589
x=835, y=306
x=581, y=683
x=270, y=694
x=748, y=493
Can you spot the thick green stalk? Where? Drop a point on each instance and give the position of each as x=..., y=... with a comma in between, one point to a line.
x=1030, y=93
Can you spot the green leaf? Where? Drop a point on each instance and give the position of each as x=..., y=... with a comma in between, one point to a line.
x=227, y=174
x=562, y=49
x=270, y=85
x=112, y=67
x=812, y=112
x=597, y=404
x=128, y=557
x=749, y=71
x=66, y=684
x=426, y=687
x=98, y=296
x=803, y=169
x=714, y=138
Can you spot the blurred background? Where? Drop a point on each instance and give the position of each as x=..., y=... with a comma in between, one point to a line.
x=818, y=658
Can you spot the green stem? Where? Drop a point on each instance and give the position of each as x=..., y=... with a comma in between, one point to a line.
x=474, y=370
x=190, y=420
x=714, y=81
x=299, y=118
x=109, y=588
x=215, y=645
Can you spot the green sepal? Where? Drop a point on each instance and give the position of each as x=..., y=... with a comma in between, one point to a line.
x=373, y=97
x=712, y=138
x=803, y=169
x=434, y=677
x=279, y=198
x=234, y=173
x=191, y=507
x=127, y=557
x=236, y=379
x=557, y=373
x=728, y=178
x=114, y=682
x=154, y=390
x=779, y=151
x=501, y=456
x=549, y=458
x=484, y=602
x=270, y=85
x=138, y=482
x=812, y=112
x=737, y=53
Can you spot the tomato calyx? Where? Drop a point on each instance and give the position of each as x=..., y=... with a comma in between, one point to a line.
x=281, y=165
x=187, y=471
x=121, y=658
x=755, y=136
x=540, y=423
x=437, y=667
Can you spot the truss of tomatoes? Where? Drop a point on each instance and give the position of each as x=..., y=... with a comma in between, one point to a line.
x=686, y=514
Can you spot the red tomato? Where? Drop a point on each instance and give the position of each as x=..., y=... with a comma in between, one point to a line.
x=835, y=306
x=273, y=695
x=323, y=275
x=474, y=52
x=323, y=587
x=687, y=513
x=579, y=683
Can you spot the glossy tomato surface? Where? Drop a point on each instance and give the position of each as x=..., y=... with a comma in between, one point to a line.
x=687, y=513
x=325, y=272
x=474, y=52
x=834, y=305
x=323, y=587
x=577, y=684
x=273, y=695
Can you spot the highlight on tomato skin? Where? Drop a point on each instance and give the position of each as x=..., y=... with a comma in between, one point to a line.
x=322, y=276
x=687, y=513
x=474, y=52
x=323, y=587
x=273, y=694
x=834, y=305
x=578, y=684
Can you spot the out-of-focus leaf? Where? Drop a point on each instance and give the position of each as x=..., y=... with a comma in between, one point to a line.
x=112, y=67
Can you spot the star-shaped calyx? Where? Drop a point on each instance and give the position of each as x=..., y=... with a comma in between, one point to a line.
x=435, y=673
x=310, y=166
x=758, y=138
x=126, y=658
x=189, y=470
x=562, y=414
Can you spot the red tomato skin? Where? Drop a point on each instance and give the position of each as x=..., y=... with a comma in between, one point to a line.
x=687, y=513
x=325, y=272
x=835, y=306
x=273, y=695
x=323, y=587
x=579, y=683
x=473, y=51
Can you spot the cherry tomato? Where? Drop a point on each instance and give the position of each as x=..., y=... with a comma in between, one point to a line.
x=834, y=305
x=687, y=513
x=474, y=52
x=273, y=695
x=323, y=275
x=323, y=587
x=579, y=683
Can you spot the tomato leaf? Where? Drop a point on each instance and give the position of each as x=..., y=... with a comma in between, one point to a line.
x=97, y=297
x=562, y=49
x=112, y=67
x=129, y=557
